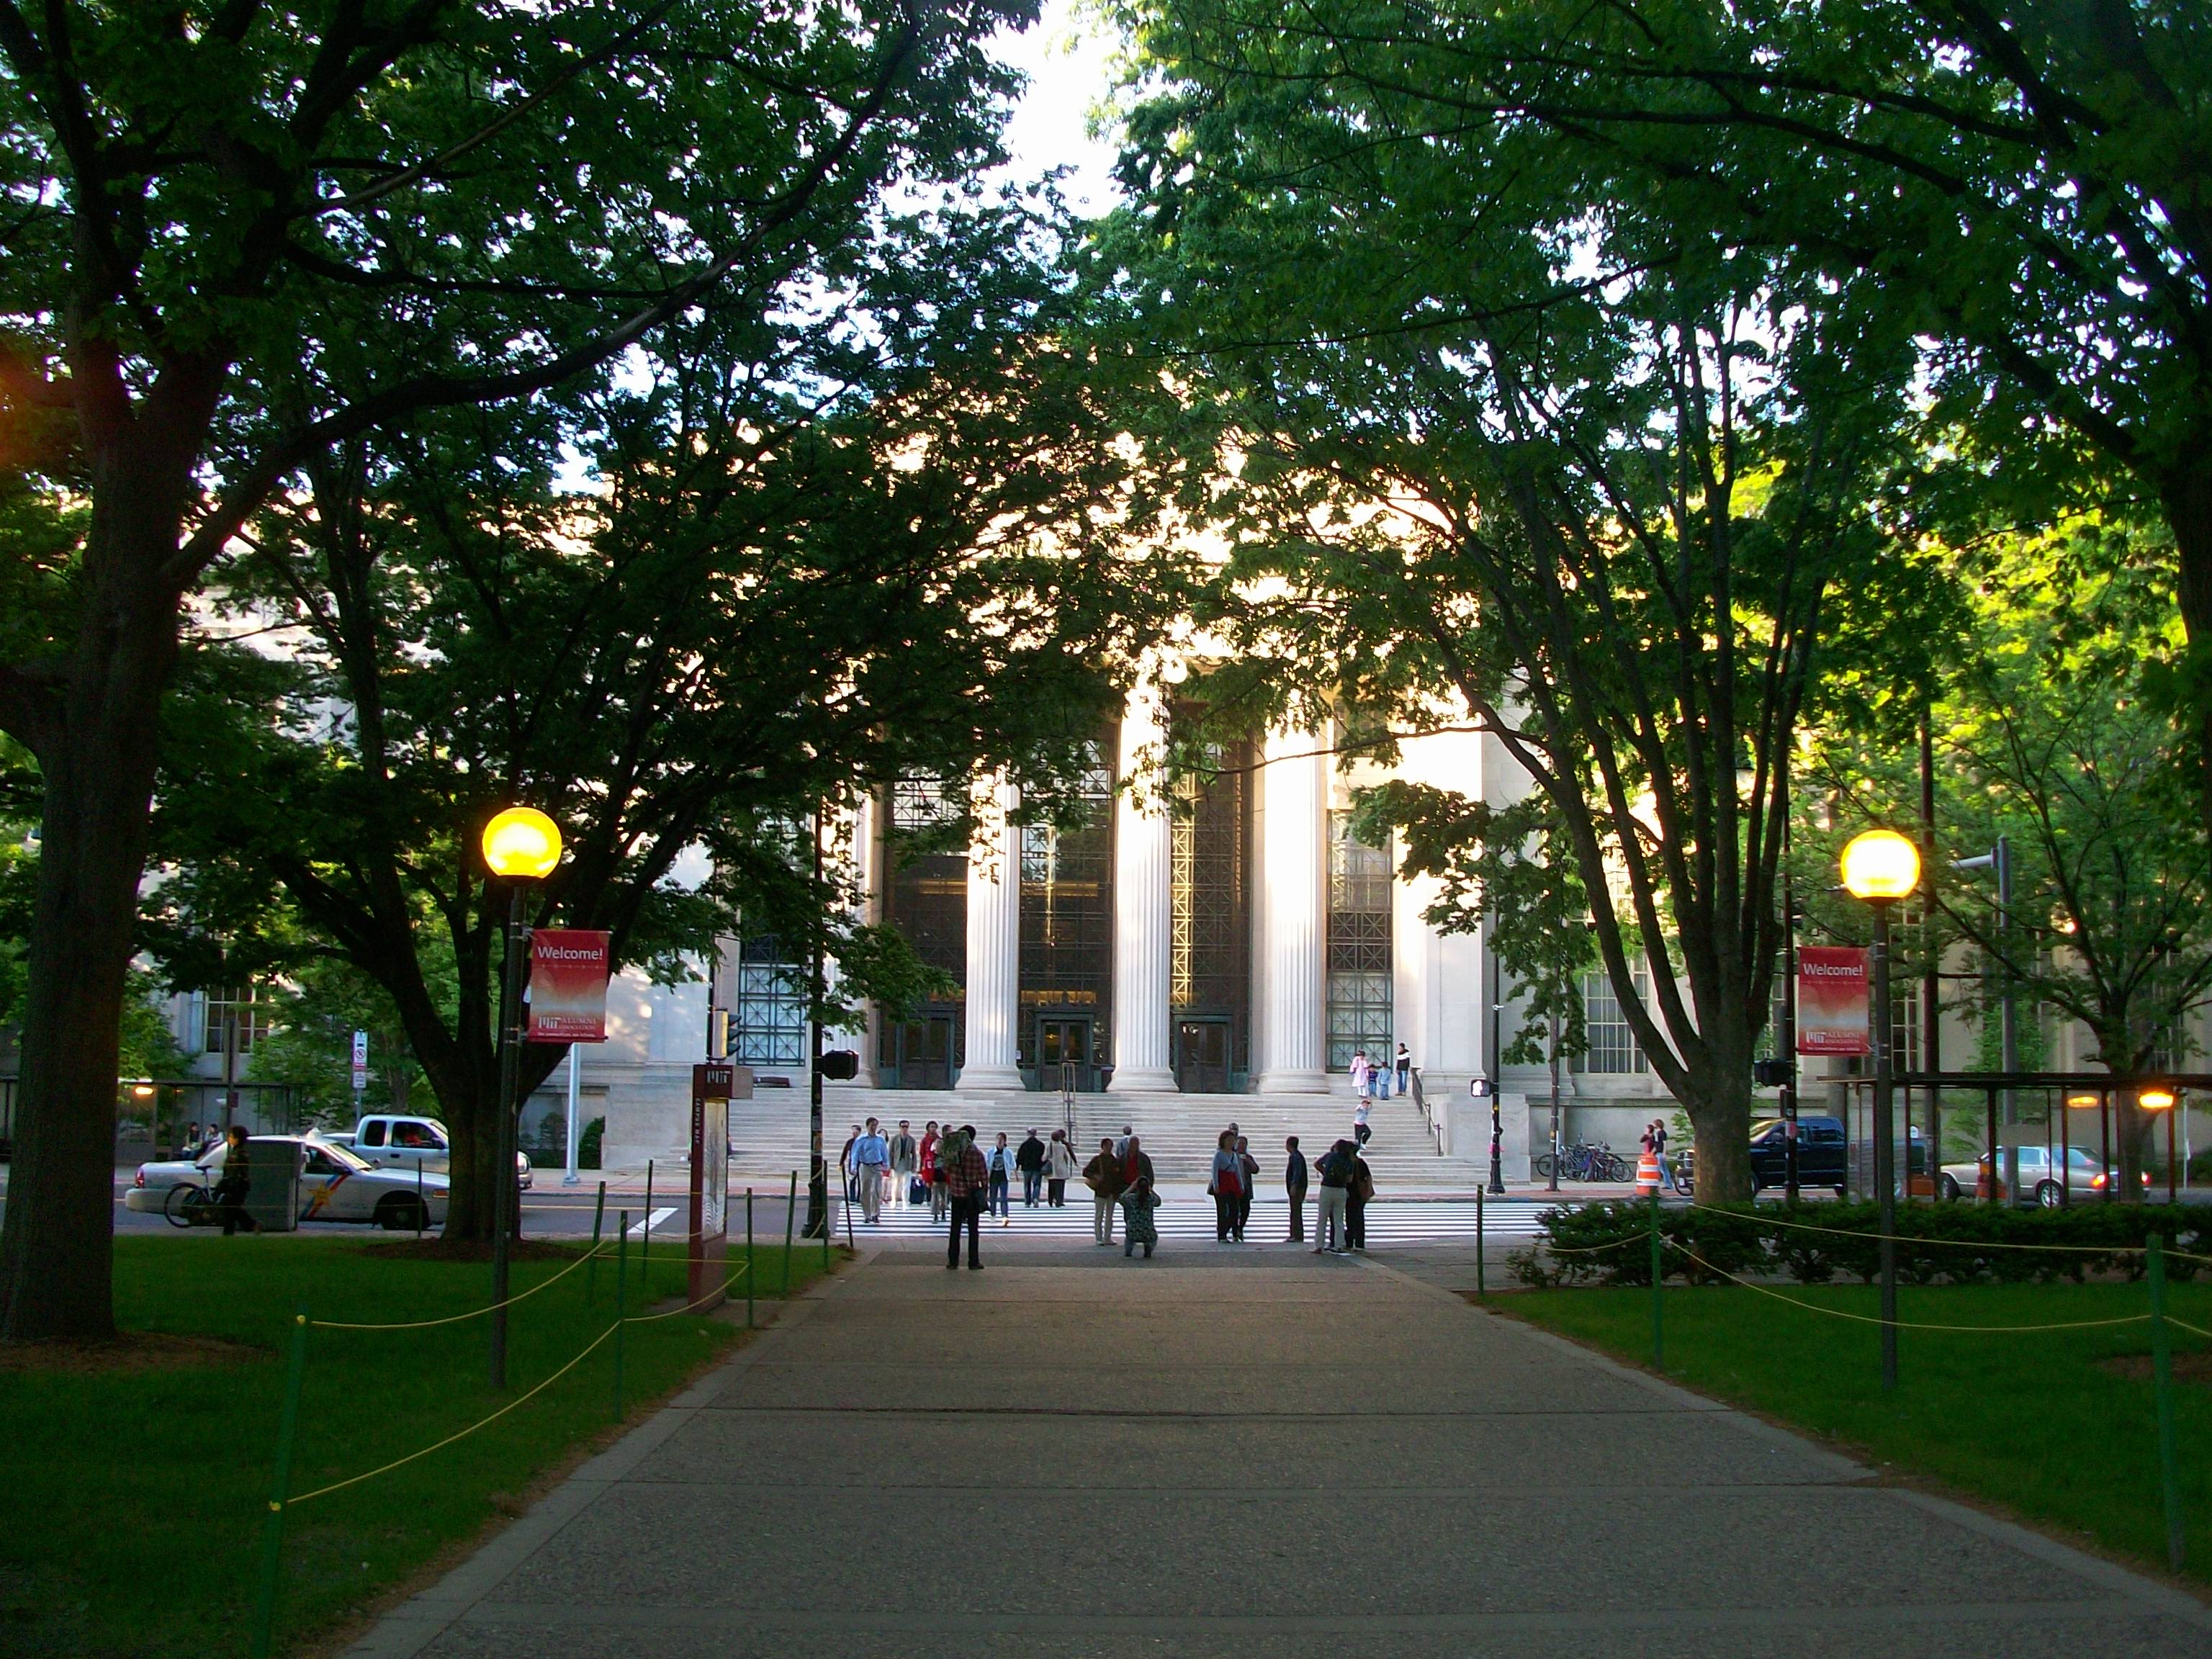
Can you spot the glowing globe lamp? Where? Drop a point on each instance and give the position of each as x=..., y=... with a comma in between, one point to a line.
x=522, y=842
x=1880, y=865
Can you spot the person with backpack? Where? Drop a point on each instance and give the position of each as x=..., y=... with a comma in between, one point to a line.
x=1000, y=1164
x=1335, y=1169
x=965, y=1177
x=1139, y=1200
x=1357, y=1192
x=1102, y=1175
x=1226, y=1185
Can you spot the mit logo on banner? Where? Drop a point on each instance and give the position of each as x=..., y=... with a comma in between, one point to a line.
x=568, y=986
x=1831, y=1001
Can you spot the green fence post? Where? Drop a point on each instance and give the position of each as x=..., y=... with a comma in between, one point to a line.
x=790, y=1209
x=829, y=1224
x=748, y=1258
x=592, y=1271
x=2161, y=1371
x=1479, y=1288
x=645, y=1242
x=621, y=1302
x=1658, y=1328
x=272, y=1534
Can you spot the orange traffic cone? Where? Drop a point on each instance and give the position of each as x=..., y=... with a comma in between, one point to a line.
x=1647, y=1175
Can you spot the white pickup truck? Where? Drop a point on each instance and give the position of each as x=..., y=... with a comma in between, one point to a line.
x=396, y=1142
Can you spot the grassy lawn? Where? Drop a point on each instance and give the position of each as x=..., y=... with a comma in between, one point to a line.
x=131, y=1502
x=2047, y=1425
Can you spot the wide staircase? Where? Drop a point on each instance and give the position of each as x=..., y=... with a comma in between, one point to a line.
x=1178, y=1130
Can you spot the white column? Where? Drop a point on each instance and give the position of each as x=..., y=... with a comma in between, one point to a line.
x=1293, y=873
x=994, y=943
x=1143, y=856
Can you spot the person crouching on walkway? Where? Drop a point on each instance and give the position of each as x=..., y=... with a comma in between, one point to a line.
x=960, y=1163
x=1102, y=1175
x=1138, y=1200
x=1226, y=1184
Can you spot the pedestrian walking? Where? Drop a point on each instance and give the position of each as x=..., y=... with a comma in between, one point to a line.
x=1028, y=1158
x=1225, y=1184
x=927, y=1171
x=1357, y=1192
x=1294, y=1184
x=1249, y=1167
x=905, y=1159
x=961, y=1164
x=235, y=1181
x=1360, y=1133
x=871, y=1157
x=1404, y=1063
x=1659, y=1151
x=1102, y=1175
x=1058, y=1164
x=845, y=1166
x=1001, y=1167
x=1139, y=1200
x=1121, y=1146
x=1335, y=1169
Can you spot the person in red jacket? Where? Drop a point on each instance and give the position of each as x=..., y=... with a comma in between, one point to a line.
x=966, y=1175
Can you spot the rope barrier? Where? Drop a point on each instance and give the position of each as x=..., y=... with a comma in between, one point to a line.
x=1906, y=1324
x=1594, y=1249
x=520, y=1399
x=647, y=1319
x=2194, y=1330
x=1923, y=1239
x=474, y=1313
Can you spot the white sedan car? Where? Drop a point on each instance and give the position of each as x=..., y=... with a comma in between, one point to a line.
x=335, y=1185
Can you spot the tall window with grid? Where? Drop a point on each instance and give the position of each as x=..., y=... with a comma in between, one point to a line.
x=242, y=1015
x=1209, y=955
x=768, y=1011
x=1358, y=996
x=1066, y=965
x=1613, y=1050
x=926, y=895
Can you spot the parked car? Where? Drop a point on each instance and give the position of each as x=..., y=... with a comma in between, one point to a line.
x=335, y=1185
x=394, y=1140
x=2084, y=1176
x=1822, y=1148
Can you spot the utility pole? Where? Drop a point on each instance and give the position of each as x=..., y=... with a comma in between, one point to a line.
x=1931, y=979
x=818, y=1179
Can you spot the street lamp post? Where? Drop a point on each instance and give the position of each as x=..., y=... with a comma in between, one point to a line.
x=1881, y=867
x=520, y=845
x=2161, y=1099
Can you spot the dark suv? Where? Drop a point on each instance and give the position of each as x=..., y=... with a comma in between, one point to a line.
x=1820, y=1149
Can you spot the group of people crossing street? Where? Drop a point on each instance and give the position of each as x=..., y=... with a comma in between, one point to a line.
x=961, y=1181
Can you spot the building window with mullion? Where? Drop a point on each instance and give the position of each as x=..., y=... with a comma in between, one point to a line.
x=1359, y=1011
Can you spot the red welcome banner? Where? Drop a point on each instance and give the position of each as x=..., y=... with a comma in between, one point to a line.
x=568, y=986
x=1831, y=1000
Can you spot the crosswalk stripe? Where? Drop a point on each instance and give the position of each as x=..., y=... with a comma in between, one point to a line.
x=1386, y=1222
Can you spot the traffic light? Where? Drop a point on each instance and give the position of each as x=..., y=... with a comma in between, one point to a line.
x=840, y=1065
x=1772, y=1073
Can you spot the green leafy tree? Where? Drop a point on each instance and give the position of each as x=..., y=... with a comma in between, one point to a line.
x=775, y=594
x=245, y=236
x=319, y=1007
x=1621, y=521
x=2026, y=188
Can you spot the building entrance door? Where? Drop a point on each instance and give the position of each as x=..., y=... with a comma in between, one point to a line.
x=1201, y=1058
x=925, y=1053
x=1064, y=1040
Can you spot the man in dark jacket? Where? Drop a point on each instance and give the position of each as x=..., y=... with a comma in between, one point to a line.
x=1294, y=1182
x=1102, y=1175
x=1028, y=1158
x=236, y=1182
x=966, y=1175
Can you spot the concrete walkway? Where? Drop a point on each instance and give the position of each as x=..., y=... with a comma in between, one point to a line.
x=1252, y=1452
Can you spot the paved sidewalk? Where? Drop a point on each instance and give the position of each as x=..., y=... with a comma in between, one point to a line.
x=1250, y=1452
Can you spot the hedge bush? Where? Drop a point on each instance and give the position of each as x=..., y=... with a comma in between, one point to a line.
x=1606, y=1243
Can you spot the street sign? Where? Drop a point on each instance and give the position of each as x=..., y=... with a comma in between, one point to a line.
x=715, y=1080
x=360, y=1061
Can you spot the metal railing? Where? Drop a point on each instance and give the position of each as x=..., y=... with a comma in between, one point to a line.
x=1428, y=1118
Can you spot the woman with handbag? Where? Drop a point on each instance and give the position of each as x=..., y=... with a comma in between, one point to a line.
x=1227, y=1187
x=1058, y=1164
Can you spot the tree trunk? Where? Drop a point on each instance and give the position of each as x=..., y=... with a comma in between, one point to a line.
x=1720, y=1119
x=97, y=761
x=2186, y=491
